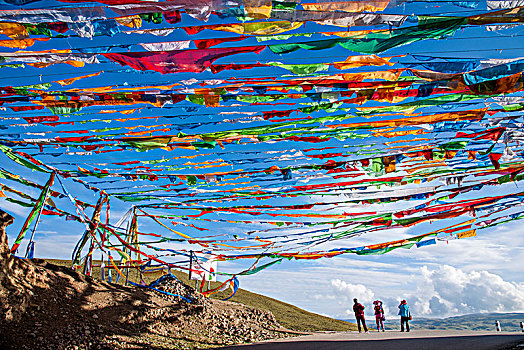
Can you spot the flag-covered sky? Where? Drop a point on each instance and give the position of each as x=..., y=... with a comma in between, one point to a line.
x=319, y=151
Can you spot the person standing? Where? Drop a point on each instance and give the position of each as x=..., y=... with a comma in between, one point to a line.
x=379, y=314
x=358, y=309
x=405, y=315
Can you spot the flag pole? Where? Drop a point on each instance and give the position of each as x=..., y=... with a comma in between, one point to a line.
x=37, y=207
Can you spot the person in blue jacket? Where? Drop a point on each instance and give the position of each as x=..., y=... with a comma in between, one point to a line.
x=405, y=315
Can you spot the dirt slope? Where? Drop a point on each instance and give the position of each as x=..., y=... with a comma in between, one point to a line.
x=45, y=306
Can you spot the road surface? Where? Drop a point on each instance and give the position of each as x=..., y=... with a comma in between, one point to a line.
x=394, y=340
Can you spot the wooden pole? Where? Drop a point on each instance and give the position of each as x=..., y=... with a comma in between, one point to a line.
x=51, y=179
x=93, y=225
x=128, y=233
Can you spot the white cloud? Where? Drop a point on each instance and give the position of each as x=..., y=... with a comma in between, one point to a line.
x=441, y=291
x=347, y=291
x=351, y=291
x=485, y=265
x=450, y=291
x=495, y=250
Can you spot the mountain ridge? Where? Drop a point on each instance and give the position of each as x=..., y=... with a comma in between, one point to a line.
x=509, y=322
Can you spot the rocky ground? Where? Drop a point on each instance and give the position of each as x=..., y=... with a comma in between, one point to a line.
x=44, y=306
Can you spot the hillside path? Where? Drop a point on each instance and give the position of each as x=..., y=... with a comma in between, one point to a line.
x=393, y=340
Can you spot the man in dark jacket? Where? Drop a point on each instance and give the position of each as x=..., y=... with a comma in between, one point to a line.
x=359, y=315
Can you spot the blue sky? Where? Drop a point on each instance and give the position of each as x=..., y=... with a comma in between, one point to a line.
x=478, y=274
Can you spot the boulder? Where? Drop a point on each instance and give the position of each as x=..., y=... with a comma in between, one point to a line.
x=5, y=256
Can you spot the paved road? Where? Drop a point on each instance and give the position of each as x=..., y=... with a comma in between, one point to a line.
x=394, y=340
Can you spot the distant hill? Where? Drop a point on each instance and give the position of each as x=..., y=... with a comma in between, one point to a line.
x=509, y=322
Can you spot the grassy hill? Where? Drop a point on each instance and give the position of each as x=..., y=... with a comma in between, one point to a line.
x=287, y=315
x=291, y=316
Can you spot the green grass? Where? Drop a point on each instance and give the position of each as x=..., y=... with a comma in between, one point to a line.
x=286, y=314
